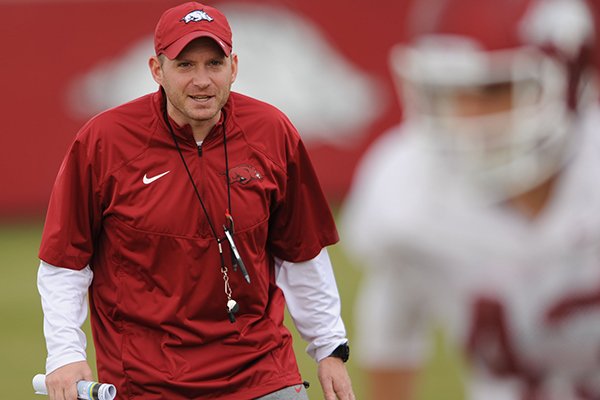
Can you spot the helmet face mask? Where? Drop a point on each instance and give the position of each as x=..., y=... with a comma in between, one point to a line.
x=497, y=116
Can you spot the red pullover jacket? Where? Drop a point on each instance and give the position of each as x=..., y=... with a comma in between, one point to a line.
x=157, y=299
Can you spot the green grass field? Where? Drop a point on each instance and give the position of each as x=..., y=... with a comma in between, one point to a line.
x=22, y=348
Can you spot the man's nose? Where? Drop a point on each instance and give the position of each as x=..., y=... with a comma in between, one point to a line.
x=201, y=78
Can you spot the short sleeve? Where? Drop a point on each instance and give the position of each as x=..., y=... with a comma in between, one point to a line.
x=74, y=213
x=301, y=224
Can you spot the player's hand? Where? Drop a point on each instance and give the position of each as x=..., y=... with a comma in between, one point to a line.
x=62, y=382
x=334, y=379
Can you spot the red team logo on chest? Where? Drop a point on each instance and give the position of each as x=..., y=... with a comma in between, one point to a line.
x=244, y=174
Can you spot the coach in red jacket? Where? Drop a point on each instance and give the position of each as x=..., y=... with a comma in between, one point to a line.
x=188, y=214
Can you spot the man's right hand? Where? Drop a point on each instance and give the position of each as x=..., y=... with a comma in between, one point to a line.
x=62, y=382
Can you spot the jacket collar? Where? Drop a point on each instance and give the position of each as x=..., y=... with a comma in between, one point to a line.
x=185, y=132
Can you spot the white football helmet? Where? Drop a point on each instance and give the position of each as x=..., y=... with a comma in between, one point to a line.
x=495, y=86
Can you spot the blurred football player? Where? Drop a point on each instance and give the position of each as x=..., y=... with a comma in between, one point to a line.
x=481, y=212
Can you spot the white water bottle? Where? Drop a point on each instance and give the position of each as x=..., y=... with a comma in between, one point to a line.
x=86, y=390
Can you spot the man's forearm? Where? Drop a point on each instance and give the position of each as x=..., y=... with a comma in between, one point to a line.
x=313, y=301
x=64, y=302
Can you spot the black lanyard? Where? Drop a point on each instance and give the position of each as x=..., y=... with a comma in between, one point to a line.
x=236, y=260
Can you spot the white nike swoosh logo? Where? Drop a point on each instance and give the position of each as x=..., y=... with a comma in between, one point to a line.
x=147, y=180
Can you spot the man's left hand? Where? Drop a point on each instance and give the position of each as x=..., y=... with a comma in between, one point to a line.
x=335, y=380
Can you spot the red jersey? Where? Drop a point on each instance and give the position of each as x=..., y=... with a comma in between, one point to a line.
x=124, y=204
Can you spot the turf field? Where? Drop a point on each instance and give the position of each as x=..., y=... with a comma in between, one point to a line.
x=22, y=349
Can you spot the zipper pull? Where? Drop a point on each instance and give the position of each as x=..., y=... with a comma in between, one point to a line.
x=200, y=150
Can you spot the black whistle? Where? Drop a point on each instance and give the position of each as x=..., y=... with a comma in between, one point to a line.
x=232, y=308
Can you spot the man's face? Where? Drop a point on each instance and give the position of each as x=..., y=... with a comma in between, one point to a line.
x=469, y=101
x=197, y=83
x=484, y=100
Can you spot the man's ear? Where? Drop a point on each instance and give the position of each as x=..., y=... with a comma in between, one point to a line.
x=234, y=66
x=156, y=69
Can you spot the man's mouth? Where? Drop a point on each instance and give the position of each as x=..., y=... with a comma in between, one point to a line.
x=201, y=98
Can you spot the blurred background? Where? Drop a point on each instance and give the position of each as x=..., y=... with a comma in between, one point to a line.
x=324, y=63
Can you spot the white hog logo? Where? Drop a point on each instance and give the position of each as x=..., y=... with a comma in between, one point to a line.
x=196, y=16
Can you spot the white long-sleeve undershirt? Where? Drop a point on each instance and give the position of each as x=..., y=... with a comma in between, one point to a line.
x=309, y=287
x=313, y=302
x=64, y=302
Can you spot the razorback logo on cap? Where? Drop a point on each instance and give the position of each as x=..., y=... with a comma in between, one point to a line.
x=179, y=25
x=197, y=16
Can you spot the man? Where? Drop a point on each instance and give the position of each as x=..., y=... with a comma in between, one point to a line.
x=482, y=212
x=189, y=213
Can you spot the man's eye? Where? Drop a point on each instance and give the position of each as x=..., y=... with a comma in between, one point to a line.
x=215, y=63
x=184, y=65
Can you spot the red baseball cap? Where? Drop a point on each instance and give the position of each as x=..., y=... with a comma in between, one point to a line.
x=179, y=25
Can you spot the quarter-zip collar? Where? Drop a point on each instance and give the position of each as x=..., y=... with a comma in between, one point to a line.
x=185, y=133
